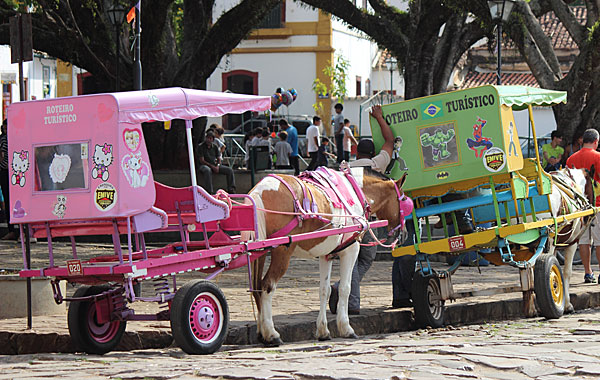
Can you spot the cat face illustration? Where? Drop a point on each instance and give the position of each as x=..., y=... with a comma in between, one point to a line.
x=103, y=155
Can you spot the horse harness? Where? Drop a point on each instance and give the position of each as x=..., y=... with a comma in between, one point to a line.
x=329, y=182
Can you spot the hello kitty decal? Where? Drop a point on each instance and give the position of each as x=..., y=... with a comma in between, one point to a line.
x=20, y=165
x=60, y=207
x=103, y=158
x=136, y=170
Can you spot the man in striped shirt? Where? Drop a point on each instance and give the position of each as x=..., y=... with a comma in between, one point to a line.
x=4, y=175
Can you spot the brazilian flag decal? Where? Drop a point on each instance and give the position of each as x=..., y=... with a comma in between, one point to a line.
x=431, y=110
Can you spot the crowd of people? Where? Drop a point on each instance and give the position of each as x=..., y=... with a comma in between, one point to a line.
x=281, y=142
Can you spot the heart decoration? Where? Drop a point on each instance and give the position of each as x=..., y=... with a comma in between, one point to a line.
x=18, y=121
x=59, y=168
x=18, y=210
x=104, y=112
x=132, y=139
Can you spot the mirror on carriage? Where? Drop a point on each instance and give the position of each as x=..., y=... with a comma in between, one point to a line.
x=61, y=167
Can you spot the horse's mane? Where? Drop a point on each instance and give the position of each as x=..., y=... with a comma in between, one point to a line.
x=372, y=173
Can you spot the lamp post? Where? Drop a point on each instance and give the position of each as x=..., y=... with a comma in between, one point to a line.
x=500, y=11
x=391, y=63
x=116, y=13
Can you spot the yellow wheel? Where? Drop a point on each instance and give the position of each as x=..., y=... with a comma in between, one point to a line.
x=556, y=285
x=549, y=286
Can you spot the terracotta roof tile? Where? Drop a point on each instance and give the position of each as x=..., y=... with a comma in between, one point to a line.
x=474, y=79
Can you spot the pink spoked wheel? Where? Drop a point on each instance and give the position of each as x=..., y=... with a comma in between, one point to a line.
x=199, y=317
x=86, y=332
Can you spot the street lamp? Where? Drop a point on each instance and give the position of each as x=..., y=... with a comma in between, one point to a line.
x=500, y=11
x=116, y=14
x=392, y=64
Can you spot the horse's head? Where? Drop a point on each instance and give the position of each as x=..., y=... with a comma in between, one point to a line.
x=582, y=180
x=387, y=200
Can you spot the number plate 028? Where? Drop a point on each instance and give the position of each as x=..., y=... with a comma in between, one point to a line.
x=74, y=268
x=456, y=243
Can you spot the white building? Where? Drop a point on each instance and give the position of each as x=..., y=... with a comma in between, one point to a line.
x=290, y=50
x=44, y=77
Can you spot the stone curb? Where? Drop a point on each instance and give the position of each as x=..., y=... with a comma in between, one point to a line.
x=372, y=322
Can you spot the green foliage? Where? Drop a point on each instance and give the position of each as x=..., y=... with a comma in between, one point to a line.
x=594, y=31
x=178, y=23
x=337, y=74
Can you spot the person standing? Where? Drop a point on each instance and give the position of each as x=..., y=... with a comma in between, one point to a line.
x=4, y=180
x=365, y=157
x=553, y=152
x=210, y=162
x=585, y=158
x=349, y=140
x=338, y=131
x=312, y=142
x=293, y=141
x=283, y=151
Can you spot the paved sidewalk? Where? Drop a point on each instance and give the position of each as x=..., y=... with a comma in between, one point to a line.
x=295, y=305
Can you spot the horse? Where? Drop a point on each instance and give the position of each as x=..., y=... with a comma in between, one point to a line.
x=279, y=196
x=571, y=191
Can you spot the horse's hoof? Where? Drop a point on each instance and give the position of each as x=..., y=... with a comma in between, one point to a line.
x=323, y=338
x=569, y=309
x=271, y=343
x=352, y=336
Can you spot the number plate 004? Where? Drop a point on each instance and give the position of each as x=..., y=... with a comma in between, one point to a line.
x=456, y=243
x=74, y=268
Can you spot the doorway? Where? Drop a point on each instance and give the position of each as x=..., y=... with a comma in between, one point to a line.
x=239, y=82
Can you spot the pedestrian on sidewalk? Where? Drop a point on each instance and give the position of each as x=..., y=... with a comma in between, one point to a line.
x=312, y=142
x=349, y=140
x=365, y=158
x=338, y=131
x=585, y=158
x=4, y=180
x=293, y=141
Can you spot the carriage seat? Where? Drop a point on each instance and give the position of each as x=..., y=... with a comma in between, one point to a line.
x=171, y=199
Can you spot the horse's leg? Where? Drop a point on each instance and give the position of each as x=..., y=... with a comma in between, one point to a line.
x=347, y=260
x=569, y=253
x=257, y=270
x=280, y=260
x=324, y=293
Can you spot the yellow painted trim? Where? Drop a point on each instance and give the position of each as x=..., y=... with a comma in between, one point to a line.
x=323, y=59
x=290, y=49
x=298, y=28
x=487, y=236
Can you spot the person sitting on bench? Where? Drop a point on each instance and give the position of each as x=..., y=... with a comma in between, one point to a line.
x=209, y=157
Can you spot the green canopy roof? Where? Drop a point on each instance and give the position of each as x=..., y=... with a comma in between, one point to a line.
x=518, y=97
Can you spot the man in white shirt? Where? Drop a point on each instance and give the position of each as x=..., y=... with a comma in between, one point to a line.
x=313, y=142
x=365, y=154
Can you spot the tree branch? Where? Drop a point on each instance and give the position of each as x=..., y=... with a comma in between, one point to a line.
x=567, y=18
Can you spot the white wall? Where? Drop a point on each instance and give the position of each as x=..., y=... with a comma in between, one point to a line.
x=287, y=70
x=293, y=11
x=543, y=118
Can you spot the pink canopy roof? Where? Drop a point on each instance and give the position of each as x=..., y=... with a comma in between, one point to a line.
x=182, y=103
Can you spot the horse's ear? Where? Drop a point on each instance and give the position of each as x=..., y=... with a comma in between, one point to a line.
x=400, y=181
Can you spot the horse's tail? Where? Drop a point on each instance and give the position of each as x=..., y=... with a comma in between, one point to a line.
x=258, y=264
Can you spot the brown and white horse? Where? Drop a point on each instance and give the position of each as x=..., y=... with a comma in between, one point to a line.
x=571, y=192
x=272, y=194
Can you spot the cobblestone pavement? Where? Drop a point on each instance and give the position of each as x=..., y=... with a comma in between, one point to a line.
x=296, y=300
x=539, y=349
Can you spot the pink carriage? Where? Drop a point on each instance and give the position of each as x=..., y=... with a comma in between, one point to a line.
x=79, y=166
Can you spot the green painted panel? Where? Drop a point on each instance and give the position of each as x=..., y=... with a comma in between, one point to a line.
x=447, y=137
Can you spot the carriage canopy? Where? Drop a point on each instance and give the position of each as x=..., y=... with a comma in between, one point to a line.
x=84, y=157
x=459, y=135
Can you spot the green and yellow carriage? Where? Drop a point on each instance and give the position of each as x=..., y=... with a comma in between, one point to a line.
x=462, y=152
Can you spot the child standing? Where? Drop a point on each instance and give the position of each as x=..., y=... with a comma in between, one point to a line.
x=283, y=150
x=323, y=152
x=349, y=140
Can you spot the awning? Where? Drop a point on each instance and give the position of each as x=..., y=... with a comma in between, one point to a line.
x=518, y=97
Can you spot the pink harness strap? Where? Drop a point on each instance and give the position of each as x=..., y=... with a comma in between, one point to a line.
x=303, y=214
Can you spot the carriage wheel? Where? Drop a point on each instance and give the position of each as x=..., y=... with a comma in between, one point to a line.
x=199, y=317
x=549, y=286
x=428, y=310
x=86, y=333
